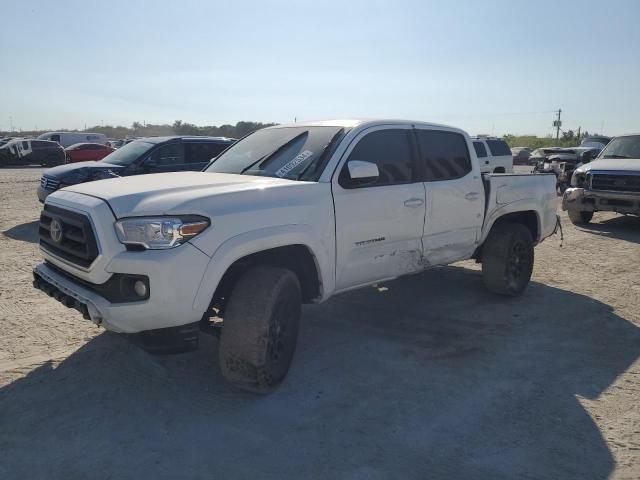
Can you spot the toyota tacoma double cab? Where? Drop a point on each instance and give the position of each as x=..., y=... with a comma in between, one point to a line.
x=288, y=215
x=610, y=183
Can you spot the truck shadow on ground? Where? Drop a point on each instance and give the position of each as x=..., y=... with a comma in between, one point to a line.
x=428, y=376
x=26, y=232
x=622, y=227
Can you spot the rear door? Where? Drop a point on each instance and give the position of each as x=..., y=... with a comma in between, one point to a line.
x=198, y=154
x=454, y=195
x=379, y=225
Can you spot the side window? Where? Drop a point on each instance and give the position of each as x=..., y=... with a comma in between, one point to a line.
x=93, y=147
x=55, y=138
x=444, y=155
x=481, y=152
x=498, y=147
x=203, y=152
x=390, y=151
x=25, y=145
x=171, y=154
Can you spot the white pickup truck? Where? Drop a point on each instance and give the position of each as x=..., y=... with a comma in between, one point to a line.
x=288, y=215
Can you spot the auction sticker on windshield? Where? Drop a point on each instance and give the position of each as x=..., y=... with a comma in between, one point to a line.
x=293, y=163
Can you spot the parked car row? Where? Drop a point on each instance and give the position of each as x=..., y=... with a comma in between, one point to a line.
x=25, y=151
x=147, y=155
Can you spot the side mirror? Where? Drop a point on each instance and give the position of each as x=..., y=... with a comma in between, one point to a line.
x=362, y=173
x=587, y=156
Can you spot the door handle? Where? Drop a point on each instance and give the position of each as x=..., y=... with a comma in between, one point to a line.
x=413, y=202
x=471, y=196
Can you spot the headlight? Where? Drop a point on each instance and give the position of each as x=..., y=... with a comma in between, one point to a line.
x=159, y=233
x=577, y=179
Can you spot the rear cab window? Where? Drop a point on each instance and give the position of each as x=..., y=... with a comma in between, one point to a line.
x=498, y=148
x=481, y=152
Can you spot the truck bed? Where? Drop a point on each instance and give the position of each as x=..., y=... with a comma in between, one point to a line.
x=517, y=192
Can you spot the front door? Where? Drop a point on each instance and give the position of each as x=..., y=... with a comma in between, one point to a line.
x=379, y=225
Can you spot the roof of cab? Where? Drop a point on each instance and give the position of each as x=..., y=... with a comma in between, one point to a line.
x=184, y=138
x=364, y=122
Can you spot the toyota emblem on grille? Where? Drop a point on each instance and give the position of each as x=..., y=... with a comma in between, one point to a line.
x=55, y=229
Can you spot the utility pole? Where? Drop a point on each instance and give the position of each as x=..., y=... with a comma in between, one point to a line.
x=558, y=124
x=579, y=133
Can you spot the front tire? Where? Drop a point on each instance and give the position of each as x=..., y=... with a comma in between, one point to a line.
x=260, y=329
x=579, y=217
x=507, y=259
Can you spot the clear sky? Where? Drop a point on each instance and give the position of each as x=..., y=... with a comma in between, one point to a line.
x=486, y=66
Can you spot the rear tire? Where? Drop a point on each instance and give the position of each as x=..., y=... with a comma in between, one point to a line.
x=507, y=259
x=579, y=217
x=260, y=329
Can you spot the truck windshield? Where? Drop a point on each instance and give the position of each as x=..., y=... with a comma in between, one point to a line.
x=622, y=147
x=297, y=153
x=128, y=154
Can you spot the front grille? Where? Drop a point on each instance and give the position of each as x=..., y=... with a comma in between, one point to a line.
x=615, y=182
x=49, y=183
x=76, y=241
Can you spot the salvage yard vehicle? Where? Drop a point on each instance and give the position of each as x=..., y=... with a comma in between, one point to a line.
x=493, y=154
x=611, y=183
x=85, y=152
x=521, y=155
x=26, y=151
x=142, y=156
x=288, y=215
x=66, y=139
x=563, y=161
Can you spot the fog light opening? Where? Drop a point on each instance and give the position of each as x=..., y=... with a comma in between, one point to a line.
x=140, y=288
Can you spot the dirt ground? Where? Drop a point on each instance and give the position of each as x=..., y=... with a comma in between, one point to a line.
x=429, y=376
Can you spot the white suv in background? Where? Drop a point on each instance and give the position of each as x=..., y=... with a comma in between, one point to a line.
x=493, y=154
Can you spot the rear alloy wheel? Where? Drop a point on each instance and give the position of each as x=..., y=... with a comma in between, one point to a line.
x=579, y=217
x=260, y=328
x=507, y=259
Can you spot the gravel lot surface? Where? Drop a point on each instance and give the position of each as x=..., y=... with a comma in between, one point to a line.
x=428, y=376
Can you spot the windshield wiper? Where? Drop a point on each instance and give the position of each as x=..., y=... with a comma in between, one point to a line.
x=262, y=161
x=617, y=156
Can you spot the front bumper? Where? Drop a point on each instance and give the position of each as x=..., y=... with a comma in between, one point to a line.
x=585, y=200
x=174, y=279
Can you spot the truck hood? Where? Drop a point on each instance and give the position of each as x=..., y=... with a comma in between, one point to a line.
x=622, y=164
x=170, y=193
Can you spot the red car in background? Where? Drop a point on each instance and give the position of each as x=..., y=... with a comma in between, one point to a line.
x=82, y=152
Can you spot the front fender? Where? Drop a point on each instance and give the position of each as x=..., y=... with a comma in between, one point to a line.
x=262, y=239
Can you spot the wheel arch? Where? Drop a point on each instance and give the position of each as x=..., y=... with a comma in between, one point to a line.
x=289, y=247
x=528, y=218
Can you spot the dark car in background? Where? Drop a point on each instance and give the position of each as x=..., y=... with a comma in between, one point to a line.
x=85, y=152
x=521, y=155
x=26, y=151
x=142, y=156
